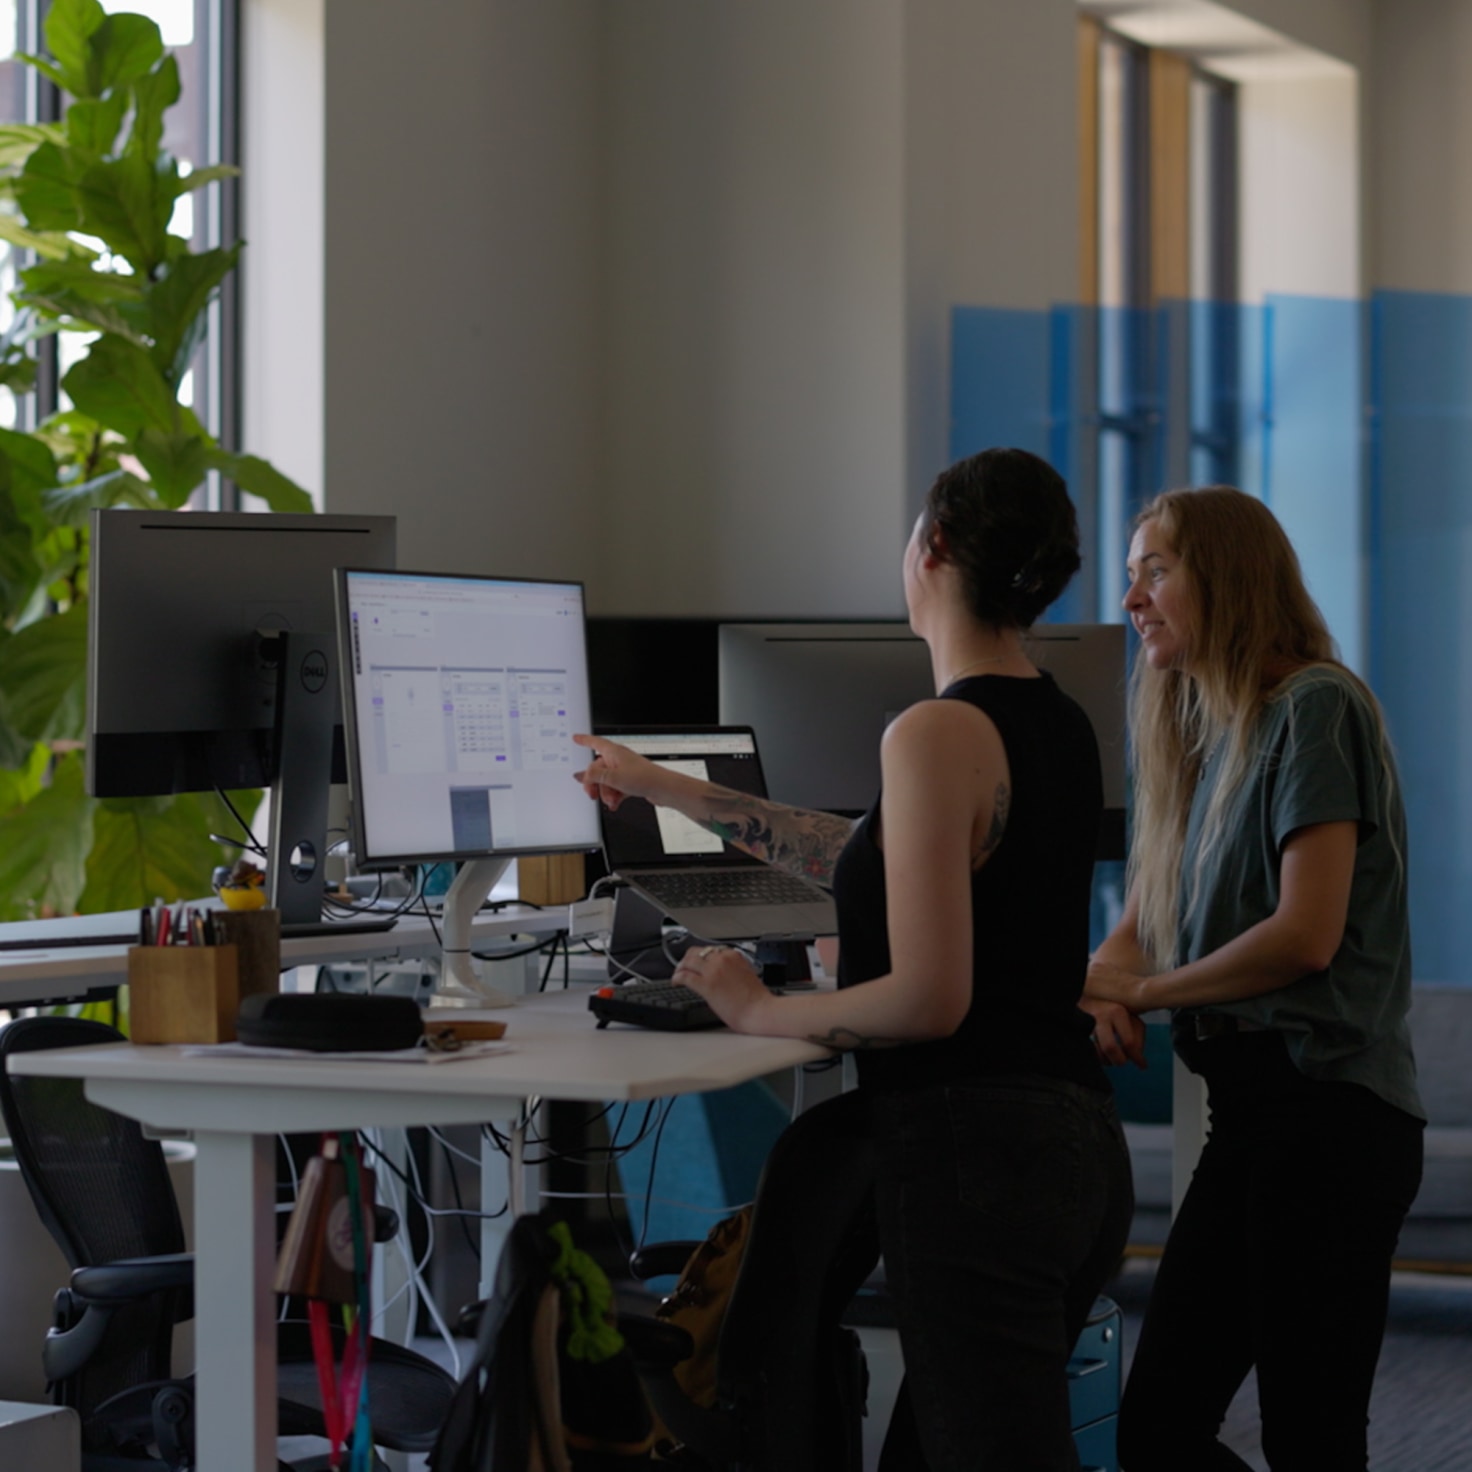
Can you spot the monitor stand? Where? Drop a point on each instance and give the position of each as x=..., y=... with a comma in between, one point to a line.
x=306, y=713
x=460, y=982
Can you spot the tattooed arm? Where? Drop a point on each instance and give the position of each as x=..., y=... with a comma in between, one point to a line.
x=799, y=840
x=946, y=788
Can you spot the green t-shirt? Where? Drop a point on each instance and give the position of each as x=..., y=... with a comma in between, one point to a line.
x=1318, y=758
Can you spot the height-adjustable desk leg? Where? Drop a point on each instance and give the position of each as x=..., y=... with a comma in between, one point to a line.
x=234, y=1305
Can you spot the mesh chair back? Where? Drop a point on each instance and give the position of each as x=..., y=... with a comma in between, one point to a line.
x=103, y=1192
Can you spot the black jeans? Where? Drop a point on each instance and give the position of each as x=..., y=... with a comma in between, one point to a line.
x=1279, y=1258
x=1004, y=1205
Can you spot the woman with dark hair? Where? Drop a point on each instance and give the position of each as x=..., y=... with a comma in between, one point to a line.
x=1267, y=910
x=1003, y=1186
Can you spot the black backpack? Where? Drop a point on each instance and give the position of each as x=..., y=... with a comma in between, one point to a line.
x=550, y=1385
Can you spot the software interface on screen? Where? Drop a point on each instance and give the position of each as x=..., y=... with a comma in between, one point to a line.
x=643, y=834
x=465, y=694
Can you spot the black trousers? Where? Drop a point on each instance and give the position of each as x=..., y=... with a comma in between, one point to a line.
x=1280, y=1259
x=1004, y=1205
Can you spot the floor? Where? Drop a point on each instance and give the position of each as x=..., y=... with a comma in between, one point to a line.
x=1421, y=1413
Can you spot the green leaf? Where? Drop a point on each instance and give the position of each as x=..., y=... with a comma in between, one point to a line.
x=27, y=467
x=19, y=570
x=18, y=374
x=175, y=463
x=198, y=178
x=46, y=190
x=262, y=479
x=117, y=385
x=51, y=244
x=80, y=442
x=43, y=847
x=123, y=49
x=19, y=140
x=22, y=781
x=93, y=125
x=43, y=674
x=47, y=68
x=74, y=291
x=71, y=505
x=153, y=95
x=69, y=27
x=14, y=747
x=146, y=847
x=82, y=278
x=127, y=203
x=176, y=307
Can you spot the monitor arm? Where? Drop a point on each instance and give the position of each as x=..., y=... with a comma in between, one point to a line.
x=466, y=895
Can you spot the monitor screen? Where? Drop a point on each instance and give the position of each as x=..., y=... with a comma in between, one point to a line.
x=181, y=691
x=820, y=695
x=461, y=696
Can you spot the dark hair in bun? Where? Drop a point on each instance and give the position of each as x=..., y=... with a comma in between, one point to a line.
x=1004, y=520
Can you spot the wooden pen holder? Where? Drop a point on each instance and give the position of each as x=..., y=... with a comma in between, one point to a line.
x=257, y=935
x=183, y=994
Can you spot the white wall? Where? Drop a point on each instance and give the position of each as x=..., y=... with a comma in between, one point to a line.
x=754, y=376
x=1420, y=154
x=1300, y=195
x=463, y=313
x=649, y=293
x=1339, y=28
x=282, y=269
x=991, y=184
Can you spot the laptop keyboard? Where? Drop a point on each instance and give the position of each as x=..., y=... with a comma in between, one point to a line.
x=692, y=891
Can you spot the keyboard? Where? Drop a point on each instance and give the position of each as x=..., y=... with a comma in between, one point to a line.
x=693, y=891
x=661, y=1005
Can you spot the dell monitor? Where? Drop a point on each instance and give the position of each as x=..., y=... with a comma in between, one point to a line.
x=819, y=696
x=461, y=696
x=210, y=664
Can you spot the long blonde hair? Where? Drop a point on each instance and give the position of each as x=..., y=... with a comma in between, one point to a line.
x=1251, y=624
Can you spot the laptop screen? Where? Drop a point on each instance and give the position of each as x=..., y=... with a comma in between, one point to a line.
x=642, y=836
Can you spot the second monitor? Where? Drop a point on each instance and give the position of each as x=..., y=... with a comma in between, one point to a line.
x=819, y=696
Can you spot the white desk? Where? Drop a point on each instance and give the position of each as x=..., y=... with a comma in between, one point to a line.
x=235, y=1108
x=63, y=972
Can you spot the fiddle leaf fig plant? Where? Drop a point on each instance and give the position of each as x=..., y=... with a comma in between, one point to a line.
x=87, y=204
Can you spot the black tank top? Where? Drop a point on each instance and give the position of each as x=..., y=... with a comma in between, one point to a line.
x=1029, y=906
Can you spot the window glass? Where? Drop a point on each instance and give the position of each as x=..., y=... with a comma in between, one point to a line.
x=12, y=110
x=194, y=30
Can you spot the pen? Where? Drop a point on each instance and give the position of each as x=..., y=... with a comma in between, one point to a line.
x=145, y=926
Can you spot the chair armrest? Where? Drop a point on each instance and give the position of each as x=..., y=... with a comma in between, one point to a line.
x=660, y=1259
x=131, y=1278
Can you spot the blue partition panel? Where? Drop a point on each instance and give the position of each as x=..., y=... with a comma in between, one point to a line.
x=1312, y=471
x=1015, y=375
x=1421, y=602
x=1001, y=392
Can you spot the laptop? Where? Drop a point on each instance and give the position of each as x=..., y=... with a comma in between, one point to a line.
x=712, y=889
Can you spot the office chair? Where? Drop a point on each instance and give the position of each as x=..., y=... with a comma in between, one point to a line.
x=790, y=1378
x=103, y=1192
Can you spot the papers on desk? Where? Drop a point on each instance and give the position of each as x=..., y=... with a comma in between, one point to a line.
x=393, y=1055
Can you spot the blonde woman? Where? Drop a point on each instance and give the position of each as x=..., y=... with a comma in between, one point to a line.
x=1003, y=1187
x=1267, y=910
